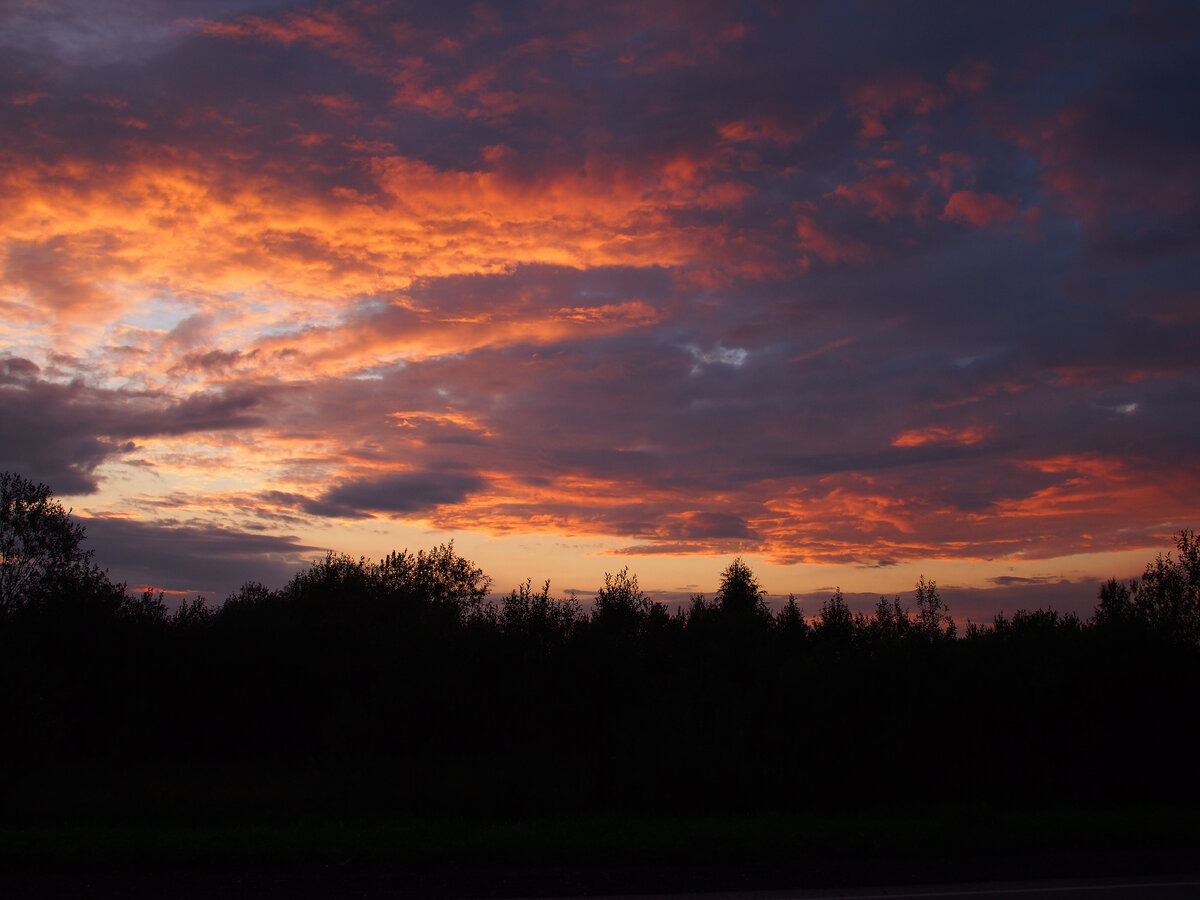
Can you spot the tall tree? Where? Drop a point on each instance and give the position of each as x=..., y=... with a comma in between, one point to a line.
x=39, y=543
x=933, y=615
x=835, y=623
x=1167, y=598
x=621, y=606
x=740, y=593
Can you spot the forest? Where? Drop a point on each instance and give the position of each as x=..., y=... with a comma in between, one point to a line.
x=402, y=684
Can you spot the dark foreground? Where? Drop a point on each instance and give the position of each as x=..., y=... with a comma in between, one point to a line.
x=628, y=884
x=383, y=730
x=560, y=856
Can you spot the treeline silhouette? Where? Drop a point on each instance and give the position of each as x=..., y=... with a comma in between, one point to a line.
x=399, y=685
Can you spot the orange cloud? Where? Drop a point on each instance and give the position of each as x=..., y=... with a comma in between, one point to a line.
x=1102, y=495
x=417, y=418
x=1088, y=507
x=759, y=129
x=90, y=244
x=420, y=334
x=918, y=437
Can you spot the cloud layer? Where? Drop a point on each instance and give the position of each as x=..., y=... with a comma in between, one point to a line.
x=821, y=283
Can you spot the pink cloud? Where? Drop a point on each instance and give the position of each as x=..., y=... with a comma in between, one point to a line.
x=979, y=209
x=758, y=129
x=320, y=27
x=873, y=103
x=952, y=165
x=887, y=196
x=827, y=247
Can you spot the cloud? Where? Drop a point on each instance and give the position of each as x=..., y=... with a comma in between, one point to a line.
x=322, y=28
x=875, y=103
x=938, y=435
x=409, y=493
x=42, y=271
x=60, y=432
x=192, y=558
x=887, y=196
x=42, y=433
x=835, y=287
x=828, y=247
x=90, y=32
x=1010, y=580
x=979, y=209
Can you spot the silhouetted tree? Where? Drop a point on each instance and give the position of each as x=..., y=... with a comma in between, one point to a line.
x=538, y=617
x=192, y=613
x=933, y=615
x=250, y=593
x=740, y=594
x=1043, y=627
x=1116, y=609
x=790, y=619
x=439, y=577
x=621, y=607
x=40, y=546
x=149, y=609
x=835, y=623
x=1164, y=603
x=335, y=580
x=891, y=622
x=1168, y=596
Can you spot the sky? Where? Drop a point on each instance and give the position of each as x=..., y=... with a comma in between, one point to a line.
x=857, y=291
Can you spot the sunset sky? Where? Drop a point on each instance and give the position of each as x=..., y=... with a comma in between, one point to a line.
x=858, y=291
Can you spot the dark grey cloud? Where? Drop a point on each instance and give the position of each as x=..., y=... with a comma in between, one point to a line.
x=60, y=432
x=406, y=493
x=193, y=557
x=1010, y=580
x=312, y=505
x=51, y=432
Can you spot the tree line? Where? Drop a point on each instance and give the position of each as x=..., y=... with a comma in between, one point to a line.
x=406, y=686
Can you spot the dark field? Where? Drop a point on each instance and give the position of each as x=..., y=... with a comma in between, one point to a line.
x=203, y=830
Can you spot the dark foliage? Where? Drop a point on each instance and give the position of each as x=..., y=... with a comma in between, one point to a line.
x=740, y=594
x=40, y=547
x=1164, y=603
x=403, y=688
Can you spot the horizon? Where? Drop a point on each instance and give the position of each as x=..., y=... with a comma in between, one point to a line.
x=857, y=293
x=967, y=604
